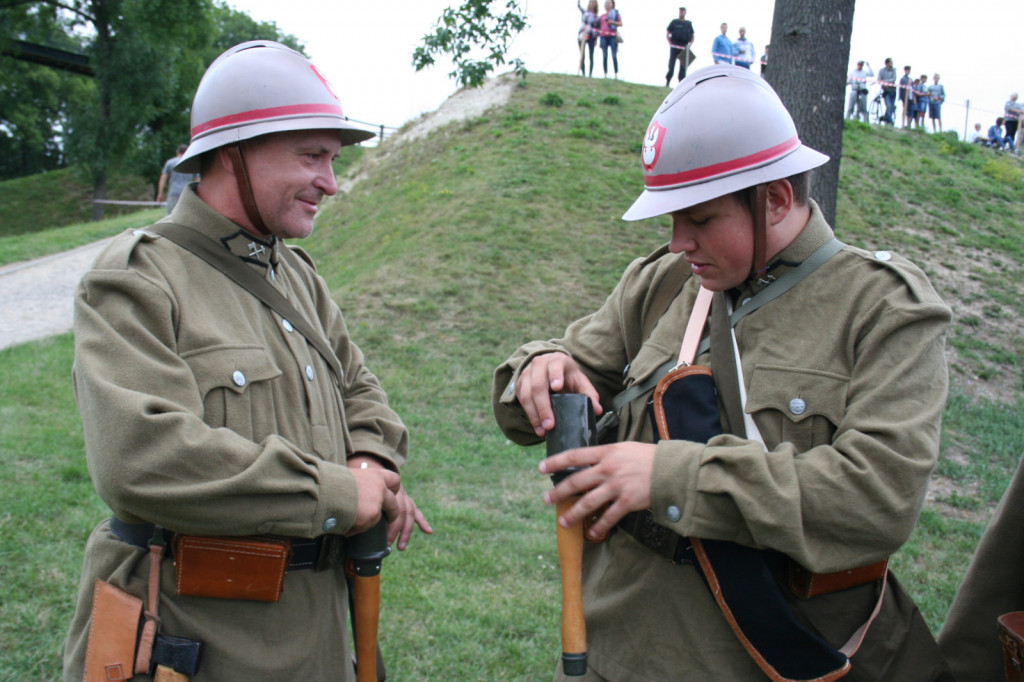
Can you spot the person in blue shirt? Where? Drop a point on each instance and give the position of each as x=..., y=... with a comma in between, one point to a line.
x=722, y=50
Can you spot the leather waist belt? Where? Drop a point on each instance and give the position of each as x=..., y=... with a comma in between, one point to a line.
x=317, y=553
x=801, y=582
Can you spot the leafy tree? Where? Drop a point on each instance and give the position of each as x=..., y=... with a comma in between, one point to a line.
x=810, y=51
x=473, y=25
x=147, y=56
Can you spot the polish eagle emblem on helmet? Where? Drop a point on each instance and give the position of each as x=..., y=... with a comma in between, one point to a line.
x=652, y=145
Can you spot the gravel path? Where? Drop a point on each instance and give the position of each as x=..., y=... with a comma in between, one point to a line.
x=36, y=296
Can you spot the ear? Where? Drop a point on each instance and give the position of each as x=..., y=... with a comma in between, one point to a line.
x=223, y=161
x=780, y=201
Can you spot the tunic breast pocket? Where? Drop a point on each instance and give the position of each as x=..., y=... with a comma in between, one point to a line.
x=803, y=406
x=235, y=383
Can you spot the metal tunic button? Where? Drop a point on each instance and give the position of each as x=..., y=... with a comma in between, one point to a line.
x=287, y=325
x=797, y=406
x=883, y=255
x=330, y=524
x=309, y=372
x=238, y=378
x=673, y=513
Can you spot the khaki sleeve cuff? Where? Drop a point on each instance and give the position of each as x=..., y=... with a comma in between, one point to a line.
x=674, y=483
x=339, y=500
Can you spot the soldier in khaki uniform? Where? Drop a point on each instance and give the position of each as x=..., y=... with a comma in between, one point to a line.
x=843, y=376
x=208, y=413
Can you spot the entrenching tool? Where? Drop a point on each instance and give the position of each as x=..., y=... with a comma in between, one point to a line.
x=364, y=555
x=574, y=428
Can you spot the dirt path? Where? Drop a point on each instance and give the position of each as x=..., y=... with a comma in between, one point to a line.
x=36, y=296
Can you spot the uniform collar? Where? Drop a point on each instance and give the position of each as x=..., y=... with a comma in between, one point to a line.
x=196, y=214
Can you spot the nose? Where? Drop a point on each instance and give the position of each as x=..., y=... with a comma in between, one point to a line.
x=682, y=236
x=325, y=180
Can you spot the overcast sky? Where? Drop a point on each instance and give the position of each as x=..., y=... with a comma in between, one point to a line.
x=365, y=48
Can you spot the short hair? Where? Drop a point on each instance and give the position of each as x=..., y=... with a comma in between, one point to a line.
x=182, y=148
x=999, y=121
x=801, y=184
x=907, y=67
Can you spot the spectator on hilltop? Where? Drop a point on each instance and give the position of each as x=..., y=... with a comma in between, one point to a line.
x=679, y=35
x=1005, y=139
x=1011, y=115
x=609, y=23
x=976, y=137
x=590, y=26
x=921, y=98
x=722, y=50
x=887, y=79
x=764, y=61
x=995, y=134
x=744, y=50
x=936, y=96
x=857, y=106
x=907, y=98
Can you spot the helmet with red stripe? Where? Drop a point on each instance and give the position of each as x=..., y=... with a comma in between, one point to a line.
x=261, y=87
x=721, y=130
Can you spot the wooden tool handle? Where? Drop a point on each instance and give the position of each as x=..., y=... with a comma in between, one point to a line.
x=570, y=559
x=366, y=612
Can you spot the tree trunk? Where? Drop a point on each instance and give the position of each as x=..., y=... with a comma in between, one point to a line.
x=810, y=50
x=99, y=193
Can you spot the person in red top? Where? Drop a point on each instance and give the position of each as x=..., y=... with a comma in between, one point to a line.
x=609, y=32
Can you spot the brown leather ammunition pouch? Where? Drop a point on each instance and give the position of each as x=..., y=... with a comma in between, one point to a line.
x=113, y=634
x=250, y=568
x=804, y=584
x=1011, y=634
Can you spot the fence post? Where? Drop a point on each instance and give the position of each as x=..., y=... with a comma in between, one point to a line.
x=967, y=117
x=381, y=133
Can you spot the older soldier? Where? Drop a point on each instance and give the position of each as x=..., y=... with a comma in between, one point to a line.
x=829, y=384
x=245, y=438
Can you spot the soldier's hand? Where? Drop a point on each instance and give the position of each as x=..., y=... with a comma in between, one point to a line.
x=546, y=374
x=409, y=517
x=378, y=490
x=616, y=480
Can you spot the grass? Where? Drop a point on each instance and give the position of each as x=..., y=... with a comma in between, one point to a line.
x=453, y=250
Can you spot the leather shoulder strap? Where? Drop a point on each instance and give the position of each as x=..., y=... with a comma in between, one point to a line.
x=235, y=270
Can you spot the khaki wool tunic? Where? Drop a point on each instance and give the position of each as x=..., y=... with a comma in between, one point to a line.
x=846, y=381
x=994, y=585
x=206, y=413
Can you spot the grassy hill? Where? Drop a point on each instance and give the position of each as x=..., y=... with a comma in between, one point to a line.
x=454, y=248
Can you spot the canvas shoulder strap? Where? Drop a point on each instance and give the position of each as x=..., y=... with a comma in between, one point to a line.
x=234, y=269
x=769, y=293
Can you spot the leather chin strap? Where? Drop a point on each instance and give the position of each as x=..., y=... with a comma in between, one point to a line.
x=759, y=210
x=245, y=189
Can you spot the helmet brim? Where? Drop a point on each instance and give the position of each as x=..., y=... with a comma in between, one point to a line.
x=191, y=160
x=656, y=202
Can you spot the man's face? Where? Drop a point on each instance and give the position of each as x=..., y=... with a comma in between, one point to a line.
x=291, y=173
x=725, y=27
x=682, y=13
x=743, y=33
x=717, y=240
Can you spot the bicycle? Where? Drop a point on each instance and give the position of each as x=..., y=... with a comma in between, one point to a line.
x=876, y=110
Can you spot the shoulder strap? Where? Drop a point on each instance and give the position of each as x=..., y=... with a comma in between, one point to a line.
x=234, y=269
x=769, y=293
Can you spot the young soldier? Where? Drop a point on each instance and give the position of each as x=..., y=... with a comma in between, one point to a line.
x=828, y=433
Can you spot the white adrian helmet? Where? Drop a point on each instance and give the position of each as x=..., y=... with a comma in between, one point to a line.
x=721, y=130
x=261, y=87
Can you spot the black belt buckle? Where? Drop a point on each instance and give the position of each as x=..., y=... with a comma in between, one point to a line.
x=658, y=538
